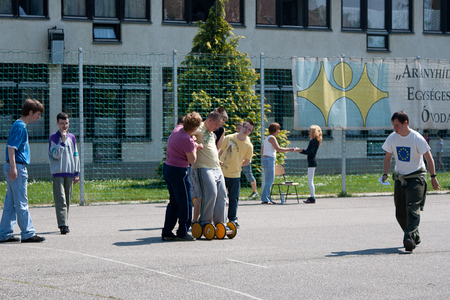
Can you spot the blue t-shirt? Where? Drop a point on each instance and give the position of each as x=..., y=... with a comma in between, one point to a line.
x=18, y=139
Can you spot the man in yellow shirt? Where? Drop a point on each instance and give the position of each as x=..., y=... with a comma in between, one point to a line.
x=236, y=151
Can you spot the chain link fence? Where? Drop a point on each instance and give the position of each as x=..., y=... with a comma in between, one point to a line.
x=128, y=108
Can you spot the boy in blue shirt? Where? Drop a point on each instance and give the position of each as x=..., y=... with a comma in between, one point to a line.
x=17, y=158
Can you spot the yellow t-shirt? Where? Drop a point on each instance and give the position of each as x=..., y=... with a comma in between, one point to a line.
x=207, y=157
x=234, y=152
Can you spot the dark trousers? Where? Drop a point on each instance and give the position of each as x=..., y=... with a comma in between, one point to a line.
x=180, y=201
x=408, y=202
x=234, y=187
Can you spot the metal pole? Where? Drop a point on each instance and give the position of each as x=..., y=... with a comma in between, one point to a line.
x=175, y=87
x=344, y=188
x=81, y=121
x=261, y=93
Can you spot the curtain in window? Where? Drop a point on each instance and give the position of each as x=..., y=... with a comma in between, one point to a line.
x=31, y=7
x=135, y=9
x=105, y=8
x=400, y=14
x=174, y=10
x=233, y=11
x=375, y=14
x=431, y=15
x=74, y=8
x=266, y=12
x=5, y=7
x=317, y=14
x=351, y=14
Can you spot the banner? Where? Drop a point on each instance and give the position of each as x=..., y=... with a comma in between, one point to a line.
x=363, y=93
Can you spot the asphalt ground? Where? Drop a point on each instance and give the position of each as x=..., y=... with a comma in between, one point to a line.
x=338, y=248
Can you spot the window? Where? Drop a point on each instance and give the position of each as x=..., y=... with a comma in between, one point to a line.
x=378, y=42
x=116, y=106
x=106, y=32
x=17, y=83
x=24, y=8
x=377, y=15
x=436, y=16
x=192, y=11
x=293, y=13
x=123, y=10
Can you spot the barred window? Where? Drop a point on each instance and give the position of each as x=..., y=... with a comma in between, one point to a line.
x=116, y=106
x=19, y=81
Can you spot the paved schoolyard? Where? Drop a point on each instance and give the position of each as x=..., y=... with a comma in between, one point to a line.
x=338, y=248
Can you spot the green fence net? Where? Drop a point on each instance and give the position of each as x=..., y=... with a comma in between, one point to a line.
x=129, y=107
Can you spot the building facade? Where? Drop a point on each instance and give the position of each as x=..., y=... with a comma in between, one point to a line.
x=128, y=46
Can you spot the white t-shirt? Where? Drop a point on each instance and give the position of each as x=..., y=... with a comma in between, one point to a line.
x=408, y=151
x=269, y=150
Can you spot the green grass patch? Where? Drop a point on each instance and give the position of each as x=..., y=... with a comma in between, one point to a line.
x=151, y=190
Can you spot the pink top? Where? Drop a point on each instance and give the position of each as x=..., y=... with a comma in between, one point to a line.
x=178, y=145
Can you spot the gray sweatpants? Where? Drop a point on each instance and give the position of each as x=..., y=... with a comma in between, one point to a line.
x=62, y=192
x=214, y=195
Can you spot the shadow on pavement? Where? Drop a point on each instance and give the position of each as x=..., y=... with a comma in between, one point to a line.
x=379, y=251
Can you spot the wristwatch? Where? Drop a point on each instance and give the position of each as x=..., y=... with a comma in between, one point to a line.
x=433, y=176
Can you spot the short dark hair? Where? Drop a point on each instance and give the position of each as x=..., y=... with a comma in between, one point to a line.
x=31, y=105
x=251, y=123
x=273, y=127
x=401, y=116
x=180, y=120
x=62, y=116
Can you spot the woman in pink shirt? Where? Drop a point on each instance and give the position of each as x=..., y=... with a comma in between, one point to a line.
x=181, y=151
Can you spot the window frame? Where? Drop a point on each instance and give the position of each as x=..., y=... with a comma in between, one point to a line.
x=305, y=12
x=188, y=12
x=16, y=14
x=444, y=22
x=17, y=82
x=120, y=12
x=387, y=15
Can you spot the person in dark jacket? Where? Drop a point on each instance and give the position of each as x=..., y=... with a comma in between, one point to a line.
x=315, y=135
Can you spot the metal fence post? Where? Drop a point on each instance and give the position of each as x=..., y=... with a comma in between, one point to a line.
x=344, y=188
x=261, y=93
x=175, y=87
x=81, y=137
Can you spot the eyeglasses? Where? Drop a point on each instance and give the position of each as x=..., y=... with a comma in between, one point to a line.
x=247, y=128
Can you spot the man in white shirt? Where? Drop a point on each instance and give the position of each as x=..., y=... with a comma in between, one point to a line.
x=410, y=175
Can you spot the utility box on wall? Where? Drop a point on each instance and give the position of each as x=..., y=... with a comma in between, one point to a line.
x=56, y=45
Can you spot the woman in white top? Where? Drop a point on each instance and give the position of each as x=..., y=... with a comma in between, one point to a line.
x=269, y=151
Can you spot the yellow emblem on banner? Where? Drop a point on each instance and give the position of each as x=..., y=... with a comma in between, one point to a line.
x=323, y=94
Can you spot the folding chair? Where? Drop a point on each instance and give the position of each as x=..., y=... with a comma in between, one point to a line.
x=279, y=171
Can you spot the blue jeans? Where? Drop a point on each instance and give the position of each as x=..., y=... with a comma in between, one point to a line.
x=247, y=170
x=16, y=205
x=180, y=201
x=234, y=186
x=268, y=167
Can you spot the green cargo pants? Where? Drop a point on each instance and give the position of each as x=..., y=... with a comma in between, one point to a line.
x=409, y=201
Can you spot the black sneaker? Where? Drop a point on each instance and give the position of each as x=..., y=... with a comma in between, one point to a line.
x=171, y=237
x=254, y=195
x=12, y=239
x=409, y=245
x=310, y=200
x=64, y=229
x=186, y=237
x=34, y=239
